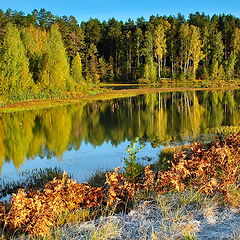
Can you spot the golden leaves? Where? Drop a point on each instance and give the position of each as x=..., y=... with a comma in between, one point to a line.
x=119, y=188
x=37, y=211
x=208, y=167
x=149, y=178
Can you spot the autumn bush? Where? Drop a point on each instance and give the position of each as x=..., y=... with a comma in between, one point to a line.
x=208, y=167
x=36, y=212
x=211, y=169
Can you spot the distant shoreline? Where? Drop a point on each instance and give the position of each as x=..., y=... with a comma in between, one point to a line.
x=108, y=94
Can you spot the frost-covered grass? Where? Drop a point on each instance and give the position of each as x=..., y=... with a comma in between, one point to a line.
x=184, y=215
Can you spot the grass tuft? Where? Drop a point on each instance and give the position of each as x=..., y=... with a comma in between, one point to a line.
x=98, y=179
x=31, y=179
x=79, y=215
x=108, y=231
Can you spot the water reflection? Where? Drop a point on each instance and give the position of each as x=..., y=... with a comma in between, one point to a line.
x=155, y=118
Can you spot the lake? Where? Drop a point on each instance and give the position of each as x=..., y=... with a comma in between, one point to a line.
x=84, y=137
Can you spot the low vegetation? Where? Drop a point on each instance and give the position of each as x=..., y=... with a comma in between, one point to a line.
x=193, y=174
x=92, y=92
x=35, y=178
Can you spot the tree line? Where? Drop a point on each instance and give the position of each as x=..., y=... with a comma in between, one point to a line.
x=42, y=54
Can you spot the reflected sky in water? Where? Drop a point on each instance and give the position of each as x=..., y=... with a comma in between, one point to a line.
x=82, y=163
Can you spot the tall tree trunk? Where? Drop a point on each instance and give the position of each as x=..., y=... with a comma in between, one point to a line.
x=159, y=68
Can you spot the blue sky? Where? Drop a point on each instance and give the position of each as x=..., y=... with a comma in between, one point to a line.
x=124, y=9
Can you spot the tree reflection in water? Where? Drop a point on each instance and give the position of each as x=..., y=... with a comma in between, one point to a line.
x=157, y=118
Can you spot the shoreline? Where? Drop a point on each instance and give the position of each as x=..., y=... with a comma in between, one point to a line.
x=107, y=94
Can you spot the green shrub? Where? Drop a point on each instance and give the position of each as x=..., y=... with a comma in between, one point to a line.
x=133, y=167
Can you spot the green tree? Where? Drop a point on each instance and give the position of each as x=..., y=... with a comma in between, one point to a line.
x=150, y=71
x=14, y=65
x=234, y=54
x=72, y=35
x=128, y=43
x=195, y=50
x=217, y=53
x=44, y=18
x=76, y=70
x=56, y=70
x=132, y=166
x=218, y=72
x=172, y=47
x=236, y=41
x=217, y=47
x=34, y=39
x=104, y=70
x=92, y=64
x=112, y=45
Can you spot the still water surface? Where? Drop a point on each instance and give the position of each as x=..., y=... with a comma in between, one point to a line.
x=82, y=138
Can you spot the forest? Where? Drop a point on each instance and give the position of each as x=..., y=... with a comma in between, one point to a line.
x=42, y=55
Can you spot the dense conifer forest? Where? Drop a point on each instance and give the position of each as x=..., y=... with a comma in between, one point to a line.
x=43, y=55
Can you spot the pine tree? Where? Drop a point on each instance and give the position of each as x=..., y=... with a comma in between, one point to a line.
x=72, y=35
x=104, y=70
x=14, y=65
x=217, y=47
x=56, y=71
x=76, y=70
x=92, y=64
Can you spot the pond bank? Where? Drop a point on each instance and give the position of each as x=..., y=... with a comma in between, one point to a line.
x=104, y=94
